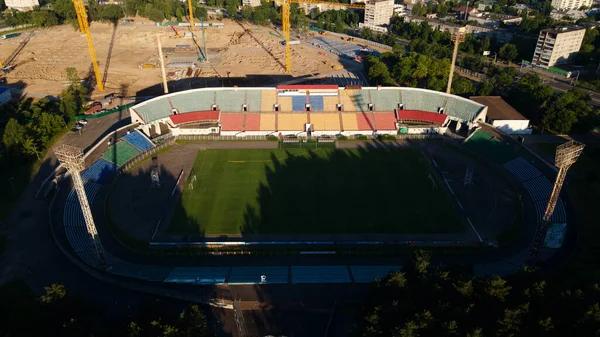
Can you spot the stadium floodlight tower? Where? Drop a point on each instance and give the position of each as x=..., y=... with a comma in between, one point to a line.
x=72, y=158
x=458, y=36
x=566, y=155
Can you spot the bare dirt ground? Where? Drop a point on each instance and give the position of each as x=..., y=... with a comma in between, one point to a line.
x=234, y=51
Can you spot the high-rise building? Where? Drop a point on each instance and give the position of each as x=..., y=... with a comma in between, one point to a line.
x=571, y=4
x=378, y=12
x=251, y=3
x=22, y=5
x=557, y=46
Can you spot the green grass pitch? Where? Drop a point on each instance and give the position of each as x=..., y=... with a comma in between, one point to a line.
x=313, y=191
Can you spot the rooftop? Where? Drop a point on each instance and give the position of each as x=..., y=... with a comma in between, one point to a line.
x=560, y=30
x=498, y=109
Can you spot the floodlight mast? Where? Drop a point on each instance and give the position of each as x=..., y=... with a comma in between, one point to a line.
x=72, y=158
x=566, y=155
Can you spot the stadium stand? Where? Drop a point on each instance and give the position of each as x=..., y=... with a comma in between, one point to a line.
x=330, y=103
x=253, y=122
x=298, y=103
x=253, y=99
x=347, y=101
x=462, y=108
x=539, y=188
x=73, y=217
x=320, y=274
x=426, y=100
x=142, y=272
x=285, y=103
x=99, y=171
x=154, y=109
x=368, y=274
x=120, y=153
x=486, y=145
x=292, y=121
x=417, y=116
x=232, y=121
x=384, y=100
x=91, y=189
x=325, y=121
x=196, y=116
x=558, y=216
x=250, y=275
x=196, y=101
x=521, y=169
x=268, y=98
x=79, y=238
x=267, y=122
x=363, y=120
x=230, y=100
x=385, y=120
x=349, y=121
x=316, y=103
x=198, y=275
x=138, y=140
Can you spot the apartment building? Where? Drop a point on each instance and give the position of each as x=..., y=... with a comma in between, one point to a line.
x=571, y=4
x=378, y=12
x=557, y=46
x=21, y=5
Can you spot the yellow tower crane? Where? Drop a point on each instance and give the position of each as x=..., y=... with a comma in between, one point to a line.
x=285, y=20
x=191, y=14
x=84, y=27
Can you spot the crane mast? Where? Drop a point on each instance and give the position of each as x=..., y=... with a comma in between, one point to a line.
x=84, y=27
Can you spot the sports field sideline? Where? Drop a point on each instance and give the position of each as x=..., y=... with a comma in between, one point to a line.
x=320, y=191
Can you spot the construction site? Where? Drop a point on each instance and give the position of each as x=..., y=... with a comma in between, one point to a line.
x=128, y=57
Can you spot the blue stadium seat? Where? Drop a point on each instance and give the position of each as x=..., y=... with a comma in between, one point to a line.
x=521, y=169
x=91, y=189
x=316, y=103
x=538, y=188
x=138, y=140
x=298, y=103
x=72, y=215
x=79, y=238
x=99, y=171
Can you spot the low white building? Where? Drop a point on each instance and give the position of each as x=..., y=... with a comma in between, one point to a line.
x=251, y=3
x=22, y=5
x=503, y=116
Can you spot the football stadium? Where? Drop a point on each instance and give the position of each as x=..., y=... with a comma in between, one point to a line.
x=313, y=169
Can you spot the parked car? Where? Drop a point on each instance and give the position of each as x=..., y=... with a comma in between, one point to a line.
x=77, y=127
x=83, y=122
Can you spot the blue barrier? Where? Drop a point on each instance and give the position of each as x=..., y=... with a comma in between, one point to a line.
x=320, y=274
x=368, y=274
x=252, y=275
x=198, y=275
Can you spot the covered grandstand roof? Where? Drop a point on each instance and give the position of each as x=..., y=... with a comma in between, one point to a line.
x=418, y=115
x=498, y=109
x=306, y=86
x=196, y=116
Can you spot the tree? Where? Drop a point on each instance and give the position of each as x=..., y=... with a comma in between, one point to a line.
x=366, y=33
x=462, y=86
x=565, y=110
x=14, y=136
x=54, y=293
x=111, y=13
x=508, y=52
x=232, y=8
x=377, y=71
x=247, y=12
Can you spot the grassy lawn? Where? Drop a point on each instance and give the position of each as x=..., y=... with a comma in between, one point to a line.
x=313, y=191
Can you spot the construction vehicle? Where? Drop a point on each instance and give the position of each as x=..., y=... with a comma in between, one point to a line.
x=175, y=30
x=7, y=66
x=285, y=19
x=291, y=42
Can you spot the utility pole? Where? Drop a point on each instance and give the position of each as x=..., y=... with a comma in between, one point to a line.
x=566, y=155
x=458, y=36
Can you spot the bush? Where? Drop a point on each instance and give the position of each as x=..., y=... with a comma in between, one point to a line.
x=342, y=137
x=272, y=138
x=361, y=137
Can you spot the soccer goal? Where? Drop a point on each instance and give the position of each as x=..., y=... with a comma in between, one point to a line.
x=192, y=179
